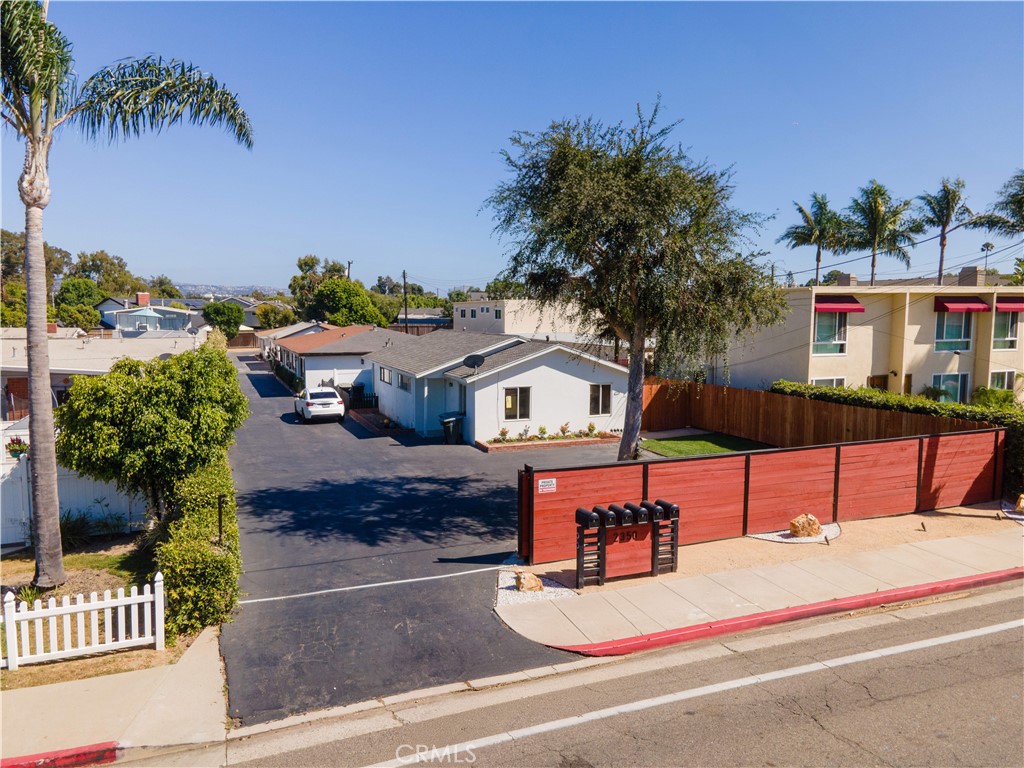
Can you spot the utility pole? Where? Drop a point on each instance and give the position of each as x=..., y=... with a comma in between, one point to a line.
x=405, y=301
x=348, y=272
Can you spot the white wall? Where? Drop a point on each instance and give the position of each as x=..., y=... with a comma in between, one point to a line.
x=559, y=392
x=780, y=352
x=394, y=402
x=343, y=369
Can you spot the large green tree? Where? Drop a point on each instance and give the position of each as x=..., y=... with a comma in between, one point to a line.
x=881, y=224
x=945, y=210
x=343, y=302
x=627, y=234
x=109, y=272
x=163, y=287
x=226, y=316
x=274, y=316
x=78, y=290
x=81, y=316
x=12, y=247
x=820, y=226
x=147, y=425
x=41, y=94
x=312, y=272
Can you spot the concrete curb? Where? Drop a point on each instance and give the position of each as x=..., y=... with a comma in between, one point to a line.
x=93, y=754
x=740, y=623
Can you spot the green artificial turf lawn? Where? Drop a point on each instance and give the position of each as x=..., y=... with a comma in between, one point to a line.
x=700, y=445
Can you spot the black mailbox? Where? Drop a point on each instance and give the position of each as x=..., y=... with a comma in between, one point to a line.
x=640, y=515
x=586, y=519
x=606, y=516
x=671, y=510
x=653, y=511
x=622, y=516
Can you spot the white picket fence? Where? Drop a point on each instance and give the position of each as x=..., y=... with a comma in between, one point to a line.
x=129, y=621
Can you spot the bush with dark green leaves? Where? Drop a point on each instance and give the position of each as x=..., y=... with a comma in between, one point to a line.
x=1012, y=418
x=200, y=566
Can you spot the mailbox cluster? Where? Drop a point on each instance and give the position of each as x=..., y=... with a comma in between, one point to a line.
x=593, y=525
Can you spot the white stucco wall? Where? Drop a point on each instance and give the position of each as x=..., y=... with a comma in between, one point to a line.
x=779, y=352
x=343, y=369
x=559, y=392
x=394, y=402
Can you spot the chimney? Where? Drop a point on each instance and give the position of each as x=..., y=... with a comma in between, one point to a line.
x=972, y=276
x=142, y=298
x=51, y=328
x=847, y=280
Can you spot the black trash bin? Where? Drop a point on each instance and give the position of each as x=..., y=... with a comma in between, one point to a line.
x=452, y=425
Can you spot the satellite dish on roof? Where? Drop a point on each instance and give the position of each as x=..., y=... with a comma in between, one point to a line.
x=473, y=361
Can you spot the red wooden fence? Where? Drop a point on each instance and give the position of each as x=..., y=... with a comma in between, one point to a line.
x=725, y=496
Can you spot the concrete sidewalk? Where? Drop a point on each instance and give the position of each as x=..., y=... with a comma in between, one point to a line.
x=99, y=719
x=620, y=618
x=724, y=587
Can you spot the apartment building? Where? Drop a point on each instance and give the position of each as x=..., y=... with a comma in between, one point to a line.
x=516, y=317
x=896, y=337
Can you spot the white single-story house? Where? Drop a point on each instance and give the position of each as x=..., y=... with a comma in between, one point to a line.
x=496, y=382
x=337, y=356
x=270, y=338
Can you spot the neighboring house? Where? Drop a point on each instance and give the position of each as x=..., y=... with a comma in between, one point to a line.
x=517, y=317
x=518, y=385
x=75, y=356
x=900, y=338
x=421, y=320
x=270, y=338
x=142, y=313
x=337, y=356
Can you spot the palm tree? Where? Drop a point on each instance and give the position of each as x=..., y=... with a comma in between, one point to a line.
x=879, y=224
x=39, y=96
x=1009, y=217
x=946, y=210
x=821, y=227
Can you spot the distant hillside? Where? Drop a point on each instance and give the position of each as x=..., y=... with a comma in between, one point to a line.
x=226, y=290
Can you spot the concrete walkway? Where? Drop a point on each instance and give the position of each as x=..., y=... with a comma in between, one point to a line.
x=159, y=708
x=621, y=614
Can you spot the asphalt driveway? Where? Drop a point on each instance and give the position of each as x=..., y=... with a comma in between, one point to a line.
x=337, y=525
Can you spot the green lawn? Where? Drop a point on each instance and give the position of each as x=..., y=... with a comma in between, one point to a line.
x=700, y=445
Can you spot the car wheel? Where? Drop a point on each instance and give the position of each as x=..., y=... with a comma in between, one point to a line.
x=304, y=417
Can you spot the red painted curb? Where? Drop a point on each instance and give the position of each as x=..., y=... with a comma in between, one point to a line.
x=740, y=623
x=93, y=754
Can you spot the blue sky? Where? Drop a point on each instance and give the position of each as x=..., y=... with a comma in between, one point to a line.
x=378, y=126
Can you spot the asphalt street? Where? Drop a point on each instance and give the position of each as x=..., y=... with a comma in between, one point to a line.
x=935, y=683
x=328, y=506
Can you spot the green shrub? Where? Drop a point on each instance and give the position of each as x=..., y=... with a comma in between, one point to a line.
x=1012, y=418
x=75, y=530
x=200, y=572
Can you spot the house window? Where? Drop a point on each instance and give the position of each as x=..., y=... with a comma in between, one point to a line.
x=1002, y=379
x=385, y=375
x=472, y=313
x=462, y=313
x=830, y=333
x=517, y=403
x=497, y=314
x=954, y=385
x=600, y=399
x=1004, y=332
x=839, y=381
x=952, y=331
x=403, y=382
x=485, y=310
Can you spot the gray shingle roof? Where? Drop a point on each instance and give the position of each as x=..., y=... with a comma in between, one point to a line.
x=502, y=358
x=420, y=354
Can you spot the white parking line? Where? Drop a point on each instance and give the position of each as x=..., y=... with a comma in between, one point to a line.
x=468, y=747
x=369, y=586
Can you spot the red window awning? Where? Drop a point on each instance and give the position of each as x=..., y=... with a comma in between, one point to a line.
x=960, y=304
x=828, y=303
x=1010, y=304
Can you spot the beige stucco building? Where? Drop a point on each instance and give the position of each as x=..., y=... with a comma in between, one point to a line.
x=901, y=338
x=516, y=317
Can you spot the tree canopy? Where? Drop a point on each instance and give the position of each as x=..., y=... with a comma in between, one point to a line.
x=343, y=302
x=879, y=223
x=225, y=316
x=273, y=316
x=109, y=272
x=78, y=290
x=147, y=425
x=312, y=272
x=628, y=234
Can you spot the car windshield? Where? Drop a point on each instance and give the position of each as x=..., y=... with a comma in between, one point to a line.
x=322, y=395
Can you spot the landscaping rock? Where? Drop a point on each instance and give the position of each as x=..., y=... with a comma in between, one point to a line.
x=528, y=582
x=805, y=525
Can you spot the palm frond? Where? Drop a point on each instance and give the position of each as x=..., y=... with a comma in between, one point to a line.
x=138, y=95
x=35, y=61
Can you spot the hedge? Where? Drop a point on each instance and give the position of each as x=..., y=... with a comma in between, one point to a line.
x=289, y=378
x=1012, y=418
x=200, y=573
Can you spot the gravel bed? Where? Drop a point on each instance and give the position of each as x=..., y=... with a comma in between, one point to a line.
x=507, y=594
x=830, y=531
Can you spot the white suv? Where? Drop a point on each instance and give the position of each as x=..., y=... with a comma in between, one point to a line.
x=319, y=402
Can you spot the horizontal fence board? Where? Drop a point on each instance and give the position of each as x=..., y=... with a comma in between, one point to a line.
x=949, y=472
x=709, y=494
x=875, y=482
x=630, y=557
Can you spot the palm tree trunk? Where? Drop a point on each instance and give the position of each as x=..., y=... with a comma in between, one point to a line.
x=629, y=445
x=874, y=260
x=942, y=255
x=817, y=267
x=43, y=456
